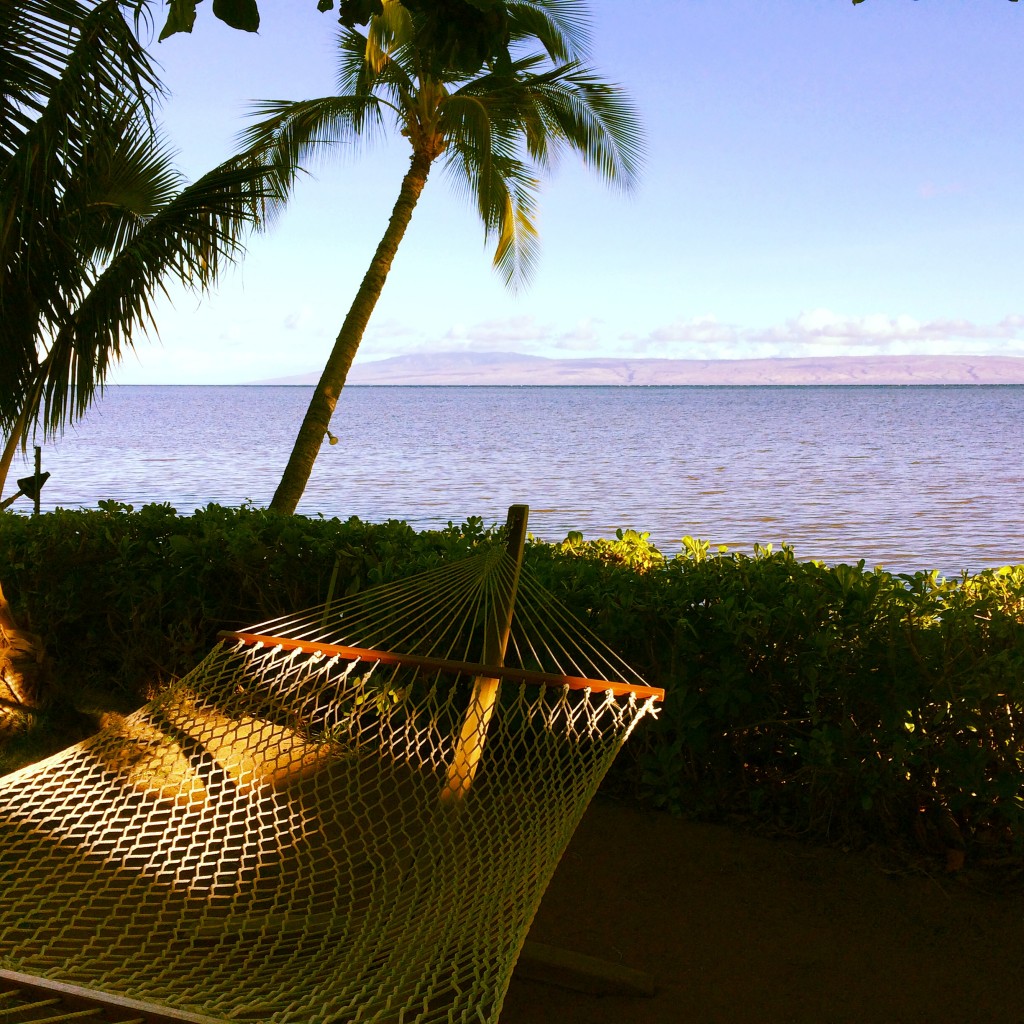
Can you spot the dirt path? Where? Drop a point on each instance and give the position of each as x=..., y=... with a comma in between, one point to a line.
x=742, y=930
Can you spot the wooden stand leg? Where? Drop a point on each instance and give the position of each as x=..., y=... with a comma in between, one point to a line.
x=470, y=745
x=552, y=965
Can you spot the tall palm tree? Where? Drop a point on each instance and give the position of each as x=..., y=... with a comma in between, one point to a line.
x=494, y=132
x=93, y=222
x=94, y=218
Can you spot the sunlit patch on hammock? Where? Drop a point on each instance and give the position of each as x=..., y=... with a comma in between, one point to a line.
x=346, y=814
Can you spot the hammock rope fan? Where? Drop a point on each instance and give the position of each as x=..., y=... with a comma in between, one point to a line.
x=345, y=815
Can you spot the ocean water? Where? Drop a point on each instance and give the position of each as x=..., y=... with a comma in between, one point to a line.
x=905, y=477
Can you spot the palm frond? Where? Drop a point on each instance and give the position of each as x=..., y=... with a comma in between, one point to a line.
x=570, y=107
x=482, y=162
x=562, y=27
x=64, y=65
x=508, y=100
x=375, y=68
x=291, y=134
x=537, y=116
x=124, y=178
x=190, y=240
x=70, y=63
x=127, y=176
x=389, y=34
x=355, y=75
x=517, y=251
x=596, y=121
x=94, y=222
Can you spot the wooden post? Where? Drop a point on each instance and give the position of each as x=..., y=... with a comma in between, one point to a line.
x=38, y=480
x=470, y=745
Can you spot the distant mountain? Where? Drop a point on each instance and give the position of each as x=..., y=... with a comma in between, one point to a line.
x=513, y=369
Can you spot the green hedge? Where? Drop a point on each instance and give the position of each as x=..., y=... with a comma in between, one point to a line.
x=834, y=701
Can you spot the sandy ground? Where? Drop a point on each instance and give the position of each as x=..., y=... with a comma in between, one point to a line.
x=736, y=929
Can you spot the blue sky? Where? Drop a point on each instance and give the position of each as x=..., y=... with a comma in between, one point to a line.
x=822, y=179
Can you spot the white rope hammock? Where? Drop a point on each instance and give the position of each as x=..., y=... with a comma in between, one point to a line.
x=349, y=814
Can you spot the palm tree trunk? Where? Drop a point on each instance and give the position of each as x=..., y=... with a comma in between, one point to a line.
x=20, y=652
x=325, y=397
x=11, y=446
x=21, y=656
x=22, y=662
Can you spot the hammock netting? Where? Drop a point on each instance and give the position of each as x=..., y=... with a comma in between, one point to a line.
x=346, y=820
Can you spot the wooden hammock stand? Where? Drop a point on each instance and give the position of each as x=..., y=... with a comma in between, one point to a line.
x=44, y=1001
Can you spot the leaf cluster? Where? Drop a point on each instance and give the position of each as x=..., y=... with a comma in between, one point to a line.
x=130, y=599
x=461, y=34
x=494, y=130
x=95, y=219
x=856, y=706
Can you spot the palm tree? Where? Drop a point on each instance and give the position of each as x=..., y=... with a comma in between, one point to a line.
x=94, y=219
x=494, y=131
x=93, y=222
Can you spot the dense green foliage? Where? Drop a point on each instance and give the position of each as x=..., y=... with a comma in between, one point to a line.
x=459, y=33
x=95, y=221
x=848, y=704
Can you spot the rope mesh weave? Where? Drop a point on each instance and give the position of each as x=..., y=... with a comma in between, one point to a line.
x=267, y=840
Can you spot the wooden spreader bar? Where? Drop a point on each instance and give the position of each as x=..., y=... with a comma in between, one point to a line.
x=525, y=675
x=78, y=1000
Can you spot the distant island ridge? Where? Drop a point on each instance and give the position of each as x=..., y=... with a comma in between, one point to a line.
x=512, y=369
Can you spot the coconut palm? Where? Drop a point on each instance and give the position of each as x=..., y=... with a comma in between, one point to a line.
x=494, y=132
x=94, y=222
x=94, y=218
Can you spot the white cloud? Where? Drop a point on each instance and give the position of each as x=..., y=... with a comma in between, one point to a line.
x=816, y=332
x=581, y=338
x=517, y=331
x=821, y=332
x=700, y=330
x=882, y=332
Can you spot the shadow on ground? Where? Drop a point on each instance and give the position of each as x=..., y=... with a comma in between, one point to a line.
x=739, y=929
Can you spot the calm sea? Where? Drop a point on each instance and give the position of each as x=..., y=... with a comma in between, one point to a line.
x=906, y=477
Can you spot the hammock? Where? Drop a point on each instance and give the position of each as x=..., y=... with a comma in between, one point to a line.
x=350, y=814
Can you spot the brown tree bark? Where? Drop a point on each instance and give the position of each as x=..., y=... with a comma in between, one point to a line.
x=10, y=447
x=21, y=663
x=325, y=397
